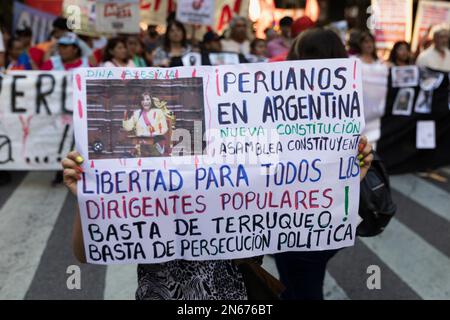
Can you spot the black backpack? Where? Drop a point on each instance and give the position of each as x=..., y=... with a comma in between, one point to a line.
x=376, y=207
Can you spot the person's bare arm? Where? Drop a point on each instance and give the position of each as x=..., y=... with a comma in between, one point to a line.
x=77, y=239
x=365, y=156
x=71, y=174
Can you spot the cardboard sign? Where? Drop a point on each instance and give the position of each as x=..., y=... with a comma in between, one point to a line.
x=198, y=12
x=392, y=21
x=154, y=12
x=117, y=16
x=218, y=162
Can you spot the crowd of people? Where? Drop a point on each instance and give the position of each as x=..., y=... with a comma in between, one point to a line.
x=66, y=50
x=302, y=273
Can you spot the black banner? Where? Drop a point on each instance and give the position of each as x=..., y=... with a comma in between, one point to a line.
x=397, y=143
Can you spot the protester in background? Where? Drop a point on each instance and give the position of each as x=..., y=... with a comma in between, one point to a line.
x=270, y=34
x=152, y=39
x=258, y=51
x=30, y=56
x=352, y=38
x=148, y=57
x=281, y=44
x=437, y=56
x=366, y=49
x=238, y=39
x=69, y=55
x=116, y=54
x=174, y=46
x=298, y=26
x=301, y=24
x=303, y=273
x=400, y=54
x=13, y=53
x=136, y=50
x=211, y=42
x=50, y=47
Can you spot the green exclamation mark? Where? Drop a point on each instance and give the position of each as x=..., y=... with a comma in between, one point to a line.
x=346, y=203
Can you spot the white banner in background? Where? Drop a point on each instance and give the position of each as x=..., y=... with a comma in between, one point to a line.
x=35, y=120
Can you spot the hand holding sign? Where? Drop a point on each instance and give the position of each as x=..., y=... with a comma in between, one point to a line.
x=72, y=170
x=365, y=156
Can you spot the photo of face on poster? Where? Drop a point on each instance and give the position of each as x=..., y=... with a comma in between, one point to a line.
x=138, y=118
x=407, y=76
x=430, y=80
x=403, y=102
x=192, y=59
x=423, y=102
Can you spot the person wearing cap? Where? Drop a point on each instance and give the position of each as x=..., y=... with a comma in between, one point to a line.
x=69, y=55
x=211, y=42
x=281, y=44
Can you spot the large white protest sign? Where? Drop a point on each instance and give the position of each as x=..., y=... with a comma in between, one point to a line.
x=117, y=16
x=35, y=120
x=218, y=162
x=199, y=12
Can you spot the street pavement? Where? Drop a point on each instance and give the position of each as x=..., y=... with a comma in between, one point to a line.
x=412, y=254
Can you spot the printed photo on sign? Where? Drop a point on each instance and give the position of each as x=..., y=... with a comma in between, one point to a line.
x=405, y=76
x=430, y=80
x=426, y=135
x=198, y=12
x=223, y=58
x=403, y=102
x=137, y=118
x=423, y=102
x=192, y=59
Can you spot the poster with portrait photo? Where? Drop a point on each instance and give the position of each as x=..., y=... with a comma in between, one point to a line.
x=430, y=80
x=192, y=59
x=140, y=117
x=407, y=76
x=423, y=102
x=403, y=102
